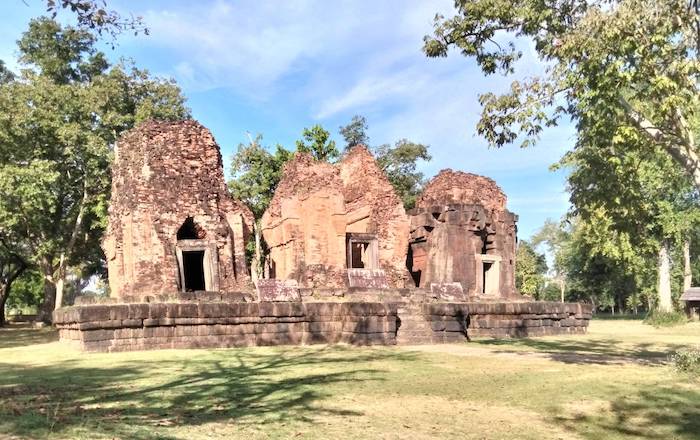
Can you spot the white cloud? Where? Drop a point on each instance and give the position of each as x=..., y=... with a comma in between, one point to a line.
x=327, y=61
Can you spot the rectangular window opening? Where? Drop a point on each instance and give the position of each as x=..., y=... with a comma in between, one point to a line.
x=361, y=252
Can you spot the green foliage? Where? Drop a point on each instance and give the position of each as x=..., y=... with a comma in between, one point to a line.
x=659, y=318
x=316, y=141
x=26, y=294
x=355, y=133
x=6, y=74
x=58, y=124
x=634, y=58
x=62, y=54
x=399, y=164
x=687, y=361
x=94, y=16
x=256, y=173
x=530, y=270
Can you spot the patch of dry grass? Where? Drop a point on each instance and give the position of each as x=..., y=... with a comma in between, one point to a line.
x=611, y=383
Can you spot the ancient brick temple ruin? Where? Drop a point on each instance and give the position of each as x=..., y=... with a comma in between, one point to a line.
x=345, y=262
x=172, y=224
x=337, y=225
x=462, y=235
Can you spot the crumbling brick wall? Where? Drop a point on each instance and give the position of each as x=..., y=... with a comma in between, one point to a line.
x=304, y=226
x=163, y=173
x=458, y=218
x=373, y=206
x=316, y=204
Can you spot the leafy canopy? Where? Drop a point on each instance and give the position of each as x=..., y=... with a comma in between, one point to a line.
x=635, y=57
x=399, y=163
x=355, y=133
x=256, y=174
x=316, y=140
x=93, y=16
x=530, y=270
x=58, y=123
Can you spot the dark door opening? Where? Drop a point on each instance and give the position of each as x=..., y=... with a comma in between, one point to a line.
x=193, y=270
x=486, y=288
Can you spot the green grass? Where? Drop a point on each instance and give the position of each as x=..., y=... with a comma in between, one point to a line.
x=614, y=382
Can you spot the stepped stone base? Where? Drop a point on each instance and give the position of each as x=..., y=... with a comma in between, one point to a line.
x=206, y=324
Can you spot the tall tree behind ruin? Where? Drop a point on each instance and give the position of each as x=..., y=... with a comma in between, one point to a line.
x=317, y=141
x=530, y=270
x=355, y=133
x=629, y=189
x=58, y=122
x=639, y=58
x=255, y=175
x=399, y=161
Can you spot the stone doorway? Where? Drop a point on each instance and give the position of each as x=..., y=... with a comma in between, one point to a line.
x=197, y=259
x=488, y=274
x=193, y=270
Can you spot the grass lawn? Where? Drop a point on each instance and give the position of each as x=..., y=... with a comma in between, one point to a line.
x=610, y=383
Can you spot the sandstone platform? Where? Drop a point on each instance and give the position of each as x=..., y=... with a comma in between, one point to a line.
x=210, y=321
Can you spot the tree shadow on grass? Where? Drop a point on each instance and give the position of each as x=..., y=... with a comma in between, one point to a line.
x=596, y=351
x=145, y=399
x=19, y=335
x=660, y=412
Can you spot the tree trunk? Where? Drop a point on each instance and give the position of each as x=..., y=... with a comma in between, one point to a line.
x=61, y=275
x=687, y=273
x=664, y=278
x=10, y=273
x=256, y=269
x=562, y=287
x=60, y=281
x=4, y=294
x=49, y=303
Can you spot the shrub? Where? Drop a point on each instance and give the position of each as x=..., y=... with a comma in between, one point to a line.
x=665, y=319
x=687, y=360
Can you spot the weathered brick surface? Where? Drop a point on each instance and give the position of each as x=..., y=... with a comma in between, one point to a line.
x=164, y=173
x=454, y=321
x=278, y=290
x=458, y=217
x=220, y=324
x=316, y=204
x=121, y=327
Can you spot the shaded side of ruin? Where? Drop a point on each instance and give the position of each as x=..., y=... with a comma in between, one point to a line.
x=463, y=237
x=199, y=324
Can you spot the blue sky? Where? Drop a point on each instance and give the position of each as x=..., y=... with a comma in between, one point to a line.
x=279, y=66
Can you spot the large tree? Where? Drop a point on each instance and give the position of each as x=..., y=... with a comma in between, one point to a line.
x=12, y=266
x=355, y=133
x=639, y=58
x=556, y=236
x=634, y=193
x=399, y=163
x=317, y=141
x=530, y=270
x=256, y=173
x=58, y=123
